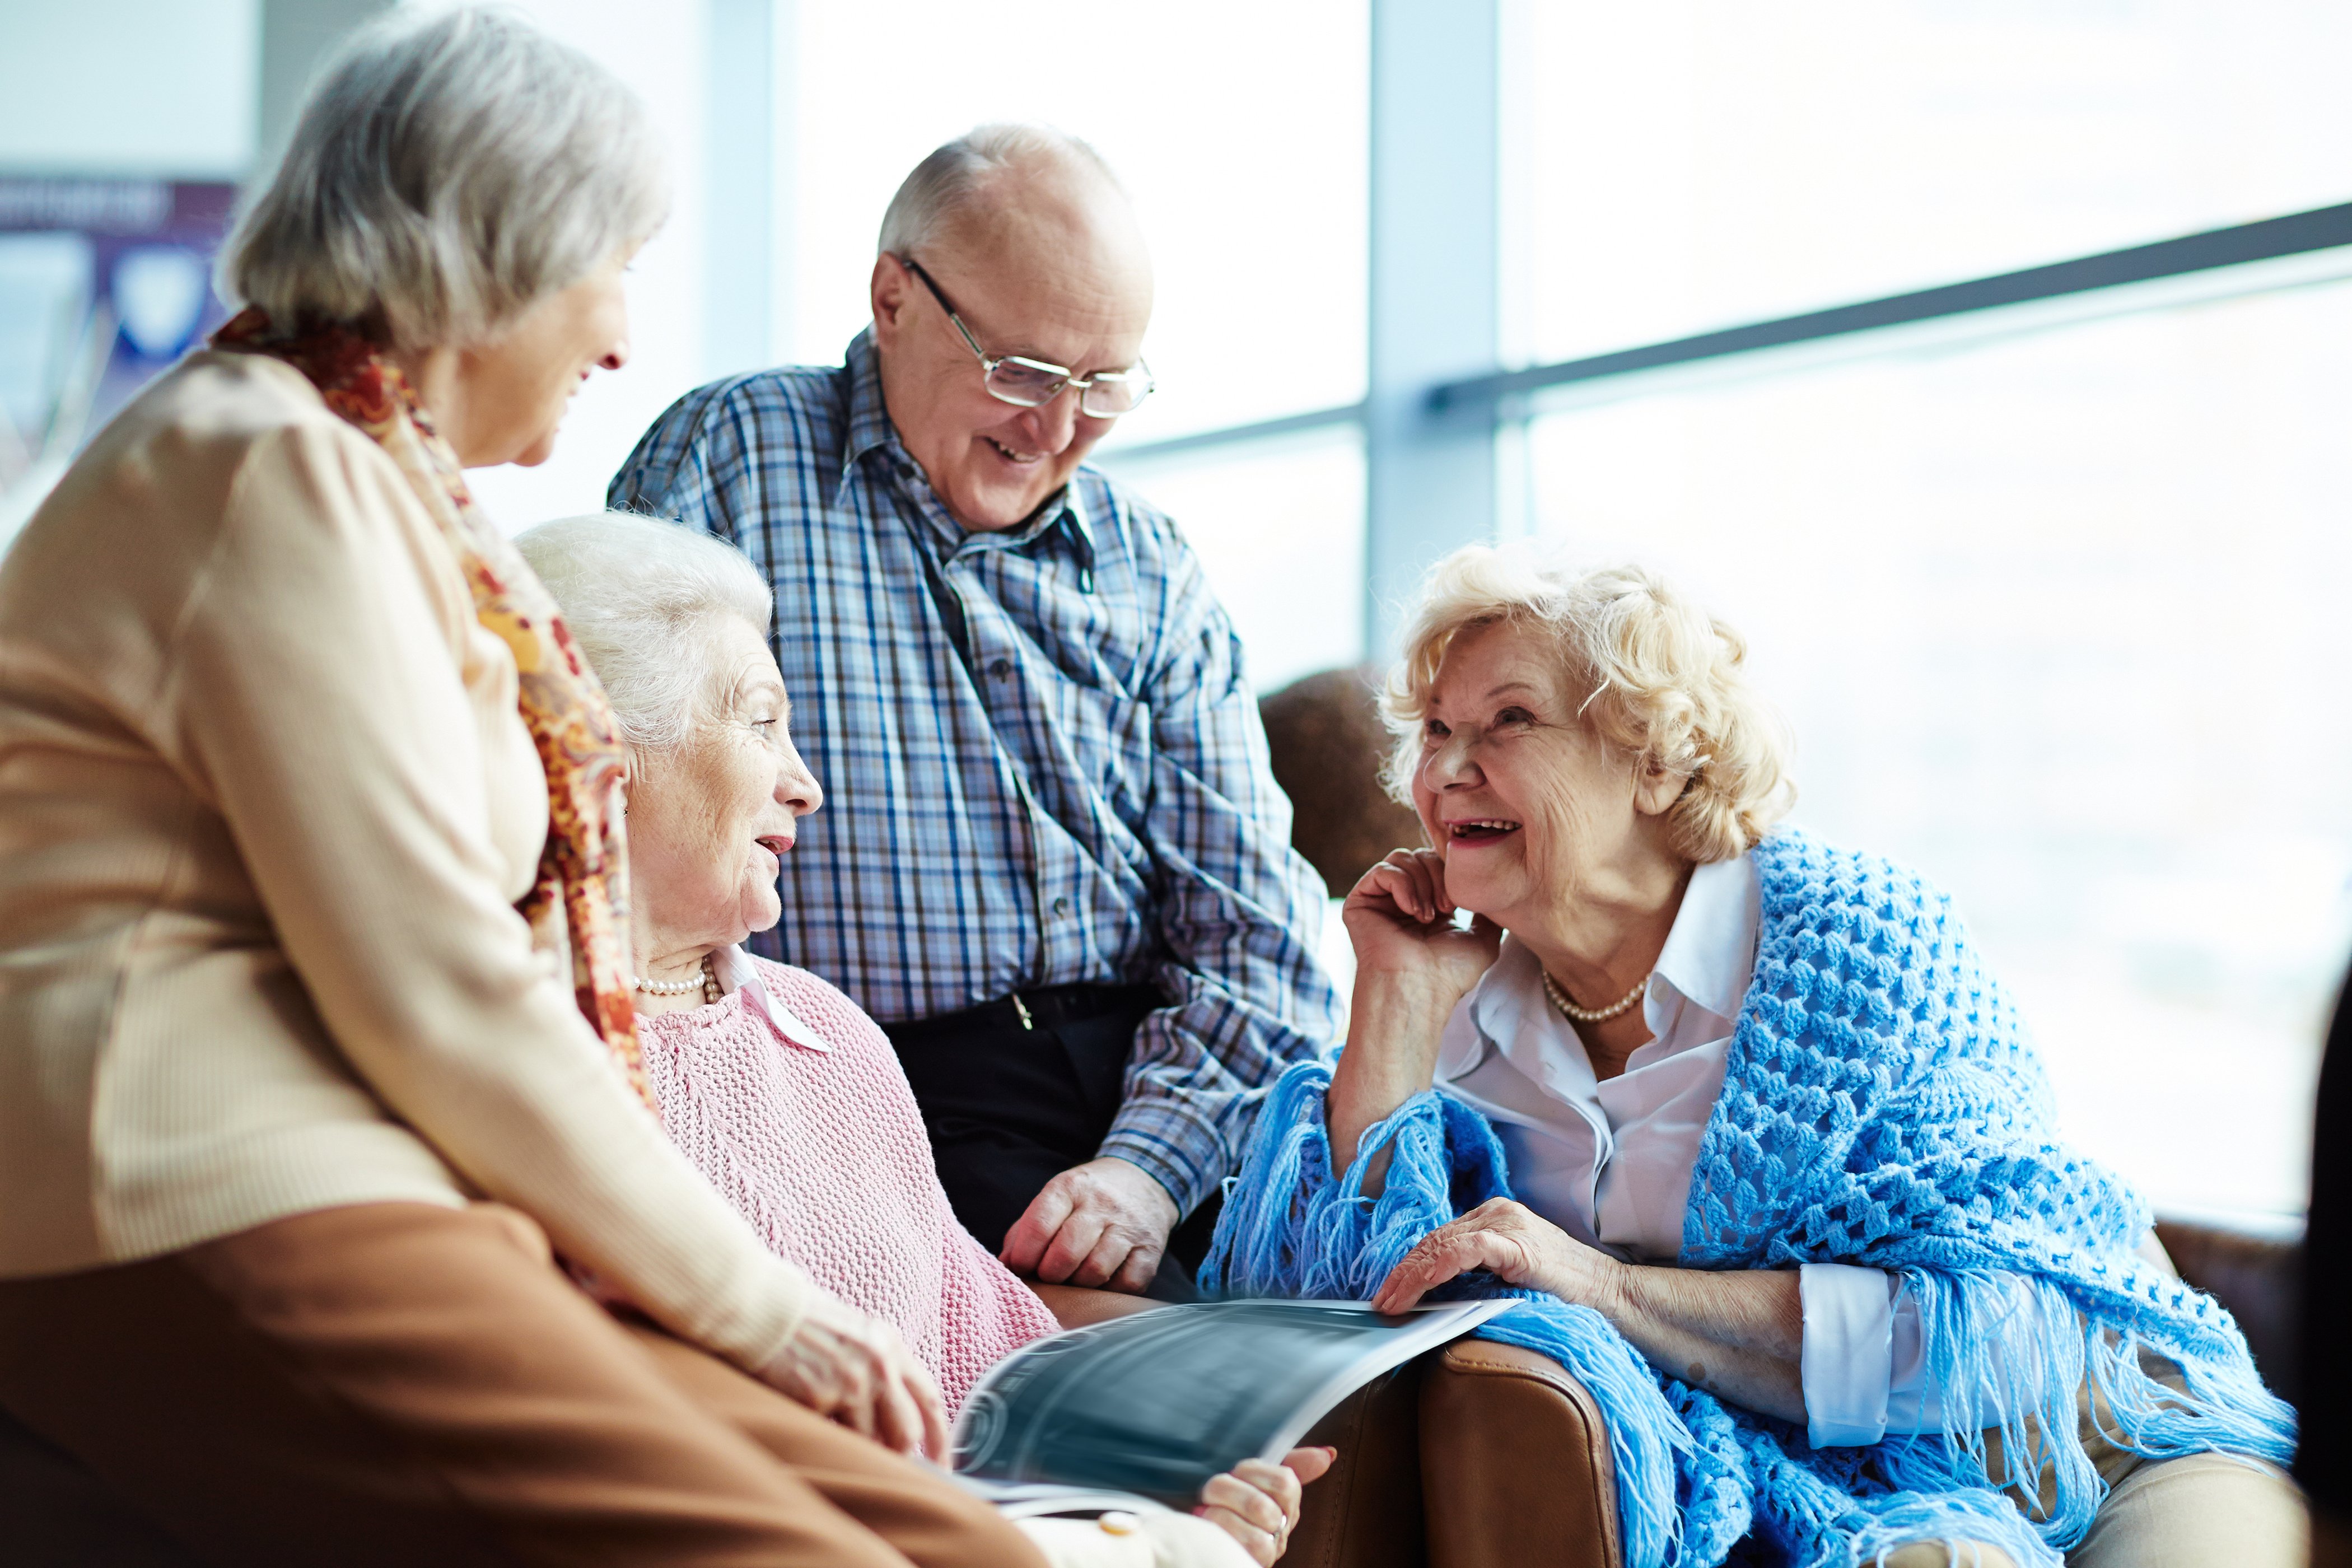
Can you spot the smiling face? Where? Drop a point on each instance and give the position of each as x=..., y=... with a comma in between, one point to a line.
x=1048, y=264
x=517, y=388
x=709, y=819
x=1530, y=808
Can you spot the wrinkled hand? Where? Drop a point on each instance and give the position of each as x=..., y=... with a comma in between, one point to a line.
x=1517, y=1245
x=1257, y=1503
x=1103, y=1224
x=1401, y=921
x=856, y=1370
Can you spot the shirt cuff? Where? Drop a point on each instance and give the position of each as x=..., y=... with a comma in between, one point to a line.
x=1849, y=1352
x=1184, y=1155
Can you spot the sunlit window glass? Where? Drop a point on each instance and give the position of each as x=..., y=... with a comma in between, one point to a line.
x=1280, y=528
x=2058, y=619
x=1683, y=164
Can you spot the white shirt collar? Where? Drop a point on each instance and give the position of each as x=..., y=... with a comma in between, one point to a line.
x=1509, y=1007
x=737, y=972
x=1710, y=953
x=1707, y=962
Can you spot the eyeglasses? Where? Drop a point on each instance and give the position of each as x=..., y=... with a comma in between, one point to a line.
x=1032, y=382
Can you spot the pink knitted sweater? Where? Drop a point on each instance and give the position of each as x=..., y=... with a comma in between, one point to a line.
x=789, y=1098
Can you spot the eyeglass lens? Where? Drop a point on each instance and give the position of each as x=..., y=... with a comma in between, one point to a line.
x=1028, y=384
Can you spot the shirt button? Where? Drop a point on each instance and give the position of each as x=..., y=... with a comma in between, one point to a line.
x=1001, y=669
x=1061, y=908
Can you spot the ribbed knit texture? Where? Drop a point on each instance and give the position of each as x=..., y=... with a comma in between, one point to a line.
x=1883, y=1106
x=823, y=1151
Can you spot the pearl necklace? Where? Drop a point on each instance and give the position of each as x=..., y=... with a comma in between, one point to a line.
x=1592, y=1015
x=701, y=983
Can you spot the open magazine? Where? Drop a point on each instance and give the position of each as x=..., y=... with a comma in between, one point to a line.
x=1144, y=1409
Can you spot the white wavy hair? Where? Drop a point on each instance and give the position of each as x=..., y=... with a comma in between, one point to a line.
x=1663, y=679
x=643, y=598
x=959, y=171
x=446, y=172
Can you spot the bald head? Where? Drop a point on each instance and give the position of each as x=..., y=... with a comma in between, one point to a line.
x=979, y=169
x=1029, y=235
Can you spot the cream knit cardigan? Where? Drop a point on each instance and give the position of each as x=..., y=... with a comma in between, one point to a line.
x=264, y=804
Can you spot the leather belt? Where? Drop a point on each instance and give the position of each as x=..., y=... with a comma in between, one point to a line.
x=1046, y=1007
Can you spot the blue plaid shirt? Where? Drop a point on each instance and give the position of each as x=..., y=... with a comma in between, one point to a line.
x=1042, y=761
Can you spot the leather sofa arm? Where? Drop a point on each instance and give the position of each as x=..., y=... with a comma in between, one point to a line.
x=1367, y=1511
x=1076, y=1306
x=1514, y=1463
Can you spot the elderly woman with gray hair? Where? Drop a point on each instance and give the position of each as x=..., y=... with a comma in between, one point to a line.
x=784, y=1094
x=1750, y=1124
x=315, y=1022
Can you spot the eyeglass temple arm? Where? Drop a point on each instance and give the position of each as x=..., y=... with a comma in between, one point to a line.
x=914, y=267
x=1070, y=377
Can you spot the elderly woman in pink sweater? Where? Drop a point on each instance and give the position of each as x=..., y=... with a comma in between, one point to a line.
x=784, y=1094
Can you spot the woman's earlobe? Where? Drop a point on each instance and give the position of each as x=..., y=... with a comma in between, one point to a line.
x=1660, y=788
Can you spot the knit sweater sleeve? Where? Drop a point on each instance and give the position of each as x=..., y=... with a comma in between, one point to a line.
x=317, y=700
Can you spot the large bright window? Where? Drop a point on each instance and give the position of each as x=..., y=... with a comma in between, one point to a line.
x=1683, y=164
x=2058, y=619
x=1280, y=528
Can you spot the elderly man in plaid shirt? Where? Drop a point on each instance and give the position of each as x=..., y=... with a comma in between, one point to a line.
x=1054, y=862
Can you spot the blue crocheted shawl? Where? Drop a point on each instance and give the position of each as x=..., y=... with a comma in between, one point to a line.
x=1883, y=1105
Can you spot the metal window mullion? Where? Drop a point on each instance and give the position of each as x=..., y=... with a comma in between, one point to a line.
x=1434, y=289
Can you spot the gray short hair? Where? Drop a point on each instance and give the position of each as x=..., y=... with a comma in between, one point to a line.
x=956, y=172
x=446, y=173
x=643, y=597
x=1663, y=682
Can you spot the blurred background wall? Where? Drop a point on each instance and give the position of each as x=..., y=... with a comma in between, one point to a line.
x=2051, y=590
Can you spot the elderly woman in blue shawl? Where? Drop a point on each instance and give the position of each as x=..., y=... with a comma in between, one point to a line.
x=1749, y=1121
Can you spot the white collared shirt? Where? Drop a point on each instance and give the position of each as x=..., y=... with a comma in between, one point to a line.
x=733, y=969
x=1610, y=1163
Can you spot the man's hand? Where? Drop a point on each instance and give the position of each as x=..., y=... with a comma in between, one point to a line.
x=1104, y=1222
x=856, y=1369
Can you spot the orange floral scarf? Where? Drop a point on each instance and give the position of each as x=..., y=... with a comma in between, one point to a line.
x=579, y=904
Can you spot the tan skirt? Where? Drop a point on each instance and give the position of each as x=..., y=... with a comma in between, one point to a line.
x=399, y=1384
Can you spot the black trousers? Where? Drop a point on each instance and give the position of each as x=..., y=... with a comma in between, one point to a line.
x=1015, y=1091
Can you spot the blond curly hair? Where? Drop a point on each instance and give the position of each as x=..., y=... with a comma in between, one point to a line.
x=1664, y=683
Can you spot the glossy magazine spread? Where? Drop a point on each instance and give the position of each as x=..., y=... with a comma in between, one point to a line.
x=1152, y=1405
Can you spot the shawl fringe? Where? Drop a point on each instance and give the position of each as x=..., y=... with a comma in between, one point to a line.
x=1696, y=1475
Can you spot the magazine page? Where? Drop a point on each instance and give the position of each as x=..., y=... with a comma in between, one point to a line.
x=1157, y=1403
